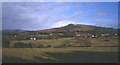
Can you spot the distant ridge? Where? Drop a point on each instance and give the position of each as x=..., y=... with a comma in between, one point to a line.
x=71, y=28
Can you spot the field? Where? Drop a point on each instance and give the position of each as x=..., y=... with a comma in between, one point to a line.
x=61, y=55
x=74, y=42
x=52, y=42
x=102, y=50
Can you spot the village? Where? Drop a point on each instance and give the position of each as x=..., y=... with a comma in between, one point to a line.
x=61, y=35
x=57, y=40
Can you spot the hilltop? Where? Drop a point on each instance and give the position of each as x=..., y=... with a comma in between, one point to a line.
x=79, y=28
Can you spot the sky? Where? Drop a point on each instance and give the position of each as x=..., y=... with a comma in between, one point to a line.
x=44, y=15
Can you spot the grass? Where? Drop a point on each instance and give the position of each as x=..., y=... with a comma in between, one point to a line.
x=61, y=41
x=51, y=55
x=52, y=42
x=104, y=42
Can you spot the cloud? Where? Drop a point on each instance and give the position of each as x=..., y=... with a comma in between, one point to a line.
x=62, y=23
x=41, y=15
x=19, y=15
x=66, y=22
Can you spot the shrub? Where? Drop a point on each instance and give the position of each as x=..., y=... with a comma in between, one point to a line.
x=40, y=46
x=48, y=46
x=5, y=43
x=19, y=45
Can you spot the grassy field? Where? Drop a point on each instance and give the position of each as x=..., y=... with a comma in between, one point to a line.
x=52, y=42
x=61, y=41
x=61, y=55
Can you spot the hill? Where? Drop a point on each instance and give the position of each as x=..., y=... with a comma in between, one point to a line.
x=80, y=28
x=70, y=27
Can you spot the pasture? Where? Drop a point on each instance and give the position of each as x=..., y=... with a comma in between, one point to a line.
x=108, y=42
x=61, y=55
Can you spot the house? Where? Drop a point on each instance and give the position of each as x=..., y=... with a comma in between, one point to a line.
x=78, y=35
x=60, y=34
x=115, y=34
x=33, y=38
x=51, y=34
x=104, y=34
x=93, y=36
x=15, y=35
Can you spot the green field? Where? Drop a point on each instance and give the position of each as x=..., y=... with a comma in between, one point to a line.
x=61, y=55
x=52, y=42
x=73, y=42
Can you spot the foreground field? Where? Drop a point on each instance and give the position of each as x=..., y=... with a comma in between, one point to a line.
x=61, y=55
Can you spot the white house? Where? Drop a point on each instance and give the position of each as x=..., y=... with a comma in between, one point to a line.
x=93, y=36
x=115, y=34
x=78, y=35
x=105, y=34
x=60, y=34
x=51, y=34
x=15, y=35
x=102, y=35
x=32, y=38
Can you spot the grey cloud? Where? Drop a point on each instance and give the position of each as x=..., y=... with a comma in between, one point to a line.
x=24, y=15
